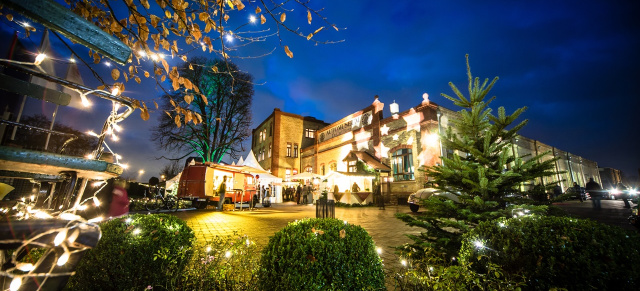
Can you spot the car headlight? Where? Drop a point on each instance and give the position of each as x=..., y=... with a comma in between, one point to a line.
x=633, y=191
x=615, y=191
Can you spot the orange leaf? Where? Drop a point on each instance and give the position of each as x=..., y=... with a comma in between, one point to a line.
x=146, y=74
x=258, y=10
x=177, y=121
x=288, y=51
x=309, y=16
x=144, y=114
x=165, y=65
x=283, y=17
x=156, y=104
x=188, y=98
x=262, y=19
x=203, y=16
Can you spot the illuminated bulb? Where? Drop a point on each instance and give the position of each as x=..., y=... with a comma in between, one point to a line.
x=345, y=222
x=84, y=100
x=23, y=200
x=208, y=249
x=96, y=201
x=26, y=24
x=63, y=259
x=39, y=59
x=136, y=231
x=74, y=235
x=403, y=262
x=117, y=127
x=478, y=244
x=501, y=224
x=114, y=137
x=116, y=106
x=33, y=197
x=60, y=237
x=25, y=267
x=248, y=242
x=97, y=183
x=90, y=132
x=227, y=254
x=108, y=64
x=97, y=219
x=124, y=166
x=118, y=156
x=128, y=220
x=141, y=172
x=72, y=60
x=42, y=215
x=115, y=91
x=90, y=156
x=229, y=37
x=379, y=250
x=15, y=284
x=252, y=18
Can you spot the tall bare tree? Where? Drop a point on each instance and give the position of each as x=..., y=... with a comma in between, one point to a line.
x=223, y=111
x=171, y=170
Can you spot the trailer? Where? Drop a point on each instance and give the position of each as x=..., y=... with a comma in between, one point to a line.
x=199, y=183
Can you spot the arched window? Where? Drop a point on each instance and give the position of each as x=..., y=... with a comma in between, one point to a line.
x=308, y=169
x=333, y=167
x=402, y=163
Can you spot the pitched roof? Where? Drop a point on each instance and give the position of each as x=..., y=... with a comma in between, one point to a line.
x=368, y=159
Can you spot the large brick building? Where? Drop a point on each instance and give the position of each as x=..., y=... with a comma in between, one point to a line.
x=396, y=146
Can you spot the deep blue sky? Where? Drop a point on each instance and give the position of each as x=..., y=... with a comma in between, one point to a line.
x=574, y=64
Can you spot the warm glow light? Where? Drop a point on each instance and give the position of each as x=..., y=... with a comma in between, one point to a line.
x=227, y=254
x=141, y=172
x=97, y=183
x=117, y=127
x=39, y=59
x=136, y=231
x=115, y=91
x=92, y=133
x=72, y=60
x=208, y=249
x=128, y=220
x=84, y=100
x=124, y=166
x=97, y=219
x=26, y=24
x=252, y=18
x=63, y=259
x=60, y=237
x=154, y=57
x=96, y=201
x=229, y=37
x=74, y=235
x=142, y=53
x=15, y=284
x=25, y=267
x=108, y=64
x=379, y=250
x=81, y=207
x=478, y=244
x=114, y=137
x=403, y=262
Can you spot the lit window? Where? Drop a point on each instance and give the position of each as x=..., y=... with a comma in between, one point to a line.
x=287, y=173
x=295, y=150
x=402, y=163
x=333, y=167
x=295, y=171
x=308, y=169
x=269, y=150
x=310, y=133
x=352, y=166
x=264, y=134
x=288, y=150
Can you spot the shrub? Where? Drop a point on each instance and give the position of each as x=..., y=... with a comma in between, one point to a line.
x=557, y=252
x=223, y=263
x=136, y=251
x=315, y=254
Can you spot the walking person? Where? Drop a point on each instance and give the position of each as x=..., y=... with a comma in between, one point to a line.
x=120, y=200
x=298, y=194
x=222, y=189
x=595, y=191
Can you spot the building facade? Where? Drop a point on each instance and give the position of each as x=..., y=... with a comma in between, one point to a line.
x=396, y=146
x=277, y=142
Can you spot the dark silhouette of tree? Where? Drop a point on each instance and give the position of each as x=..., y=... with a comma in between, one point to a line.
x=33, y=139
x=223, y=112
x=171, y=170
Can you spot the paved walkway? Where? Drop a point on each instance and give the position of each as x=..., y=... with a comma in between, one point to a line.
x=612, y=211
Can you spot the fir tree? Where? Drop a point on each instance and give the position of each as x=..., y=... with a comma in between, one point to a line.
x=482, y=171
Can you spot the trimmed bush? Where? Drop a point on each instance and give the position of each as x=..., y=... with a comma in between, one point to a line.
x=223, y=263
x=321, y=254
x=557, y=252
x=136, y=251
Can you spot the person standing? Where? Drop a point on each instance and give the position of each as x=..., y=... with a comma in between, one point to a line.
x=595, y=191
x=222, y=189
x=624, y=194
x=557, y=191
x=298, y=193
x=120, y=199
x=578, y=191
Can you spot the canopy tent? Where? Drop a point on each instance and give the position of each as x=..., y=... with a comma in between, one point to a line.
x=251, y=165
x=305, y=176
x=344, y=182
x=171, y=185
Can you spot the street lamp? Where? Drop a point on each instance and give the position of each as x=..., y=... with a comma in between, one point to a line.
x=162, y=177
x=141, y=172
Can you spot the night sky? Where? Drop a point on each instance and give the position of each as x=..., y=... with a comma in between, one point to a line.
x=574, y=64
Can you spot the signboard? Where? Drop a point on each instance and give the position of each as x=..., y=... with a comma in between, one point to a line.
x=347, y=126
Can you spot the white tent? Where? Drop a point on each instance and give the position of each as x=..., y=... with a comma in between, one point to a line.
x=251, y=165
x=240, y=161
x=172, y=184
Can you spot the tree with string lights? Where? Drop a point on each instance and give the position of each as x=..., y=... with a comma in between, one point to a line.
x=482, y=171
x=223, y=112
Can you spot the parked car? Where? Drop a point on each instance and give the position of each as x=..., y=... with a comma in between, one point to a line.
x=414, y=198
x=621, y=191
x=574, y=195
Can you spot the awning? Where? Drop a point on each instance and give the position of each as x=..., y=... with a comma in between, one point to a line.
x=368, y=159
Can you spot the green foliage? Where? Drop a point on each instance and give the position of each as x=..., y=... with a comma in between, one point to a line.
x=136, y=251
x=223, y=263
x=445, y=221
x=321, y=254
x=482, y=170
x=557, y=252
x=442, y=276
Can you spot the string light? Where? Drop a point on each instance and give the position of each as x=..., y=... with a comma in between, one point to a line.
x=72, y=60
x=229, y=36
x=39, y=59
x=96, y=201
x=227, y=254
x=15, y=283
x=63, y=259
x=252, y=19
x=108, y=64
x=60, y=237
